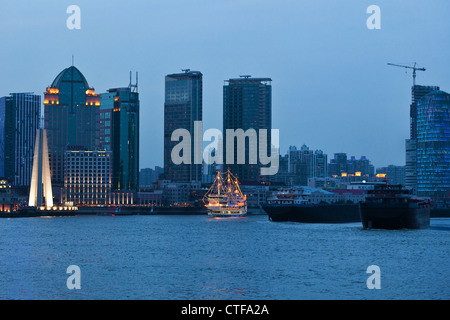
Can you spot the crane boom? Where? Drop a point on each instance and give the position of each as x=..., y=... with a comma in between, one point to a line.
x=409, y=67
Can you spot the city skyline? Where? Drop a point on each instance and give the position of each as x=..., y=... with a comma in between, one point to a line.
x=238, y=150
x=358, y=92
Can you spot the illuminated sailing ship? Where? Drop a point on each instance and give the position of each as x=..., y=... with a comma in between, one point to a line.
x=225, y=198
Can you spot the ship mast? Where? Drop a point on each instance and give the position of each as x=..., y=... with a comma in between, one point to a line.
x=234, y=192
x=215, y=189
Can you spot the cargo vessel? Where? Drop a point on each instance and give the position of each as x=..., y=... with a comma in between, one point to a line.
x=295, y=205
x=392, y=207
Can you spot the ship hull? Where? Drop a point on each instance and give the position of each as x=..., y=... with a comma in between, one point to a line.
x=227, y=213
x=222, y=215
x=394, y=217
x=440, y=213
x=310, y=213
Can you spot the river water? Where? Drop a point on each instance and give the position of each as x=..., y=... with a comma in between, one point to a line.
x=168, y=257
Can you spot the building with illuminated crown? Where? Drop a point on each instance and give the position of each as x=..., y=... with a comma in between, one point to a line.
x=71, y=118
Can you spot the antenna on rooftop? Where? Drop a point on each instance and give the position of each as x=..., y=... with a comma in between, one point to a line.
x=133, y=87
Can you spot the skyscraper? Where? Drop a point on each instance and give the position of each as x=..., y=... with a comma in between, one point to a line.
x=433, y=145
x=119, y=133
x=182, y=107
x=71, y=117
x=247, y=104
x=417, y=92
x=19, y=119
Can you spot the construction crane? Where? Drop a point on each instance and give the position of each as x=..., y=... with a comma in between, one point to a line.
x=409, y=67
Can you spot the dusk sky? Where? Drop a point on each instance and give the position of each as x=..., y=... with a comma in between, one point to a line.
x=332, y=88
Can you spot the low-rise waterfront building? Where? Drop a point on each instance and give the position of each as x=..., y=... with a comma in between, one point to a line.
x=87, y=177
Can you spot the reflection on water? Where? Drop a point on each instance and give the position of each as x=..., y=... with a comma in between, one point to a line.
x=228, y=218
x=199, y=257
x=215, y=293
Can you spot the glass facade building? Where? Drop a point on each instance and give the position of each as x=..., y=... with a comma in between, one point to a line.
x=433, y=145
x=119, y=133
x=20, y=115
x=247, y=104
x=182, y=107
x=71, y=117
x=417, y=92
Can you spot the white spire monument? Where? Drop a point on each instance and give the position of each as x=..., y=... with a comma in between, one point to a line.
x=41, y=185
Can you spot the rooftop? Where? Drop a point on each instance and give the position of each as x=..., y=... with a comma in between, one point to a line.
x=71, y=74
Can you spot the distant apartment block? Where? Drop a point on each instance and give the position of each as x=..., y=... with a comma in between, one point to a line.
x=341, y=165
x=394, y=174
x=300, y=165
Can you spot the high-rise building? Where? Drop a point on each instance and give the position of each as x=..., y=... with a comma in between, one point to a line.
x=301, y=163
x=71, y=118
x=20, y=115
x=119, y=133
x=417, y=92
x=433, y=145
x=182, y=108
x=247, y=104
